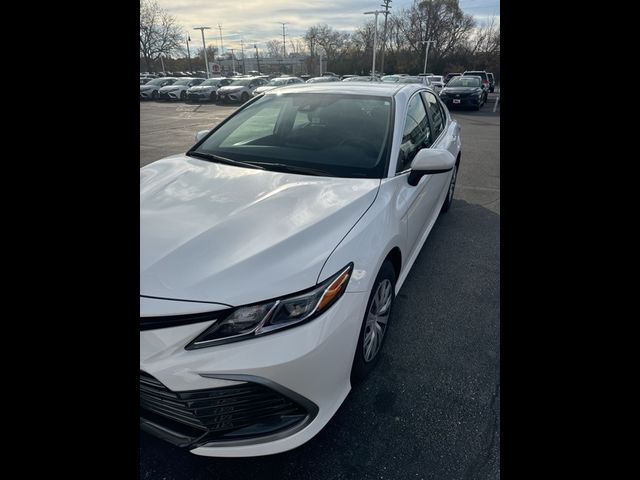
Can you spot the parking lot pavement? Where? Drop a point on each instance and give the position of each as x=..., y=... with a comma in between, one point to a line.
x=431, y=408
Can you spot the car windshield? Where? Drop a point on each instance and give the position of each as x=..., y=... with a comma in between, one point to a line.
x=477, y=74
x=339, y=135
x=390, y=78
x=464, y=82
x=241, y=83
x=183, y=81
x=321, y=79
x=277, y=82
x=435, y=79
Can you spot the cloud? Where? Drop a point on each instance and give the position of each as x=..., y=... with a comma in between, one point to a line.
x=257, y=21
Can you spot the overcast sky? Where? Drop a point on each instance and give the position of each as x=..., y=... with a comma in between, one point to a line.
x=260, y=21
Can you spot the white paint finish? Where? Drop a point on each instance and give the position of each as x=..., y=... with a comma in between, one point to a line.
x=207, y=229
x=218, y=233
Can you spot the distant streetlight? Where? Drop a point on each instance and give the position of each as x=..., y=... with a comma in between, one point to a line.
x=204, y=46
x=188, y=53
x=426, y=53
x=375, y=39
x=255, y=45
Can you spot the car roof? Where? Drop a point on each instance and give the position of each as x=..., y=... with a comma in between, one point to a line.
x=353, y=88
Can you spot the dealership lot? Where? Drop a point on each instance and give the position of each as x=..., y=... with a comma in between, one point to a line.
x=430, y=410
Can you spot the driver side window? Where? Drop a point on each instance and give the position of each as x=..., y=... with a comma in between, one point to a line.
x=416, y=134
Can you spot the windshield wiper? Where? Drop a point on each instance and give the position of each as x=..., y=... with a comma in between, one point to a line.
x=219, y=159
x=295, y=169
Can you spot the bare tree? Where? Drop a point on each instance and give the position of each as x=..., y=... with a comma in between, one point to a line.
x=159, y=33
x=274, y=48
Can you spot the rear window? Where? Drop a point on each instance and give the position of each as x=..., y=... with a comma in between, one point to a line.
x=479, y=74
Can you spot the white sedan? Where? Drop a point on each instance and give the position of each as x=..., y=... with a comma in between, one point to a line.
x=240, y=90
x=178, y=89
x=271, y=254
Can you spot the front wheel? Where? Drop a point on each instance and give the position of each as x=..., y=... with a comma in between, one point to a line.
x=183, y=96
x=154, y=95
x=452, y=186
x=244, y=98
x=375, y=323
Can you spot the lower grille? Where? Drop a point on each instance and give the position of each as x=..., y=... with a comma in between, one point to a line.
x=236, y=412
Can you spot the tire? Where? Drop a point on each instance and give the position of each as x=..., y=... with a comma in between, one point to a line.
x=183, y=96
x=452, y=186
x=213, y=97
x=384, y=285
x=154, y=95
x=244, y=98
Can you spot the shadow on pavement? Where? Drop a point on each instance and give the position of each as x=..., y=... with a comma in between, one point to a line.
x=431, y=408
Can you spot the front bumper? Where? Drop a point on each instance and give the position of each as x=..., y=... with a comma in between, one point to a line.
x=308, y=366
x=469, y=101
x=169, y=95
x=201, y=96
x=229, y=97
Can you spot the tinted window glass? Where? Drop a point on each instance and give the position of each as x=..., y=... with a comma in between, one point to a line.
x=340, y=135
x=437, y=119
x=416, y=134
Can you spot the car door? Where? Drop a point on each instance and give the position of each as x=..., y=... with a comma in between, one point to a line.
x=445, y=134
x=417, y=201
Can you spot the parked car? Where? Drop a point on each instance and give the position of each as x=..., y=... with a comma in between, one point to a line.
x=449, y=76
x=276, y=83
x=144, y=80
x=149, y=91
x=207, y=90
x=329, y=78
x=391, y=78
x=323, y=79
x=411, y=79
x=464, y=91
x=437, y=82
x=362, y=78
x=178, y=89
x=240, y=90
x=483, y=75
x=492, y=82
x=271, y=254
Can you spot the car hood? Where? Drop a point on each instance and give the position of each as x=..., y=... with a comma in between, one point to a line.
x=171, y=87
x=229, y=88
x=198, y=88
x=219, y=233
x=455, y=90
x=264, y=89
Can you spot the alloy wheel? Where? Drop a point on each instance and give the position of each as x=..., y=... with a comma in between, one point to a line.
x=377, y=319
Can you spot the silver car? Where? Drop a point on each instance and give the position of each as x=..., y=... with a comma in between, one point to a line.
x=207, y=90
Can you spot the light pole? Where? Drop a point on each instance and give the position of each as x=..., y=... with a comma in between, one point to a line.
x=375, y=39
x=204, y=46
x=426, y=53
x=220, y=28
x=384, y=33
x=255, y=45
x=233, y=65
x=244, y=68
x=189, y=54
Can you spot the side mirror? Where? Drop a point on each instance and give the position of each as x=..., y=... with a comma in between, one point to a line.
x=429, y=161
x=201, y=134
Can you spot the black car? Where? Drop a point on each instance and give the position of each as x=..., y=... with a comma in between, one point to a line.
x=482, y=74
x=449, y=76
x=492, y=82
x=464, y=91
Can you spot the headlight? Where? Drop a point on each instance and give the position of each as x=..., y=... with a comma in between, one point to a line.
x=273, y=315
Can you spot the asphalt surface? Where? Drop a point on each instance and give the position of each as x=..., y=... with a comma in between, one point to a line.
x=431, y=408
